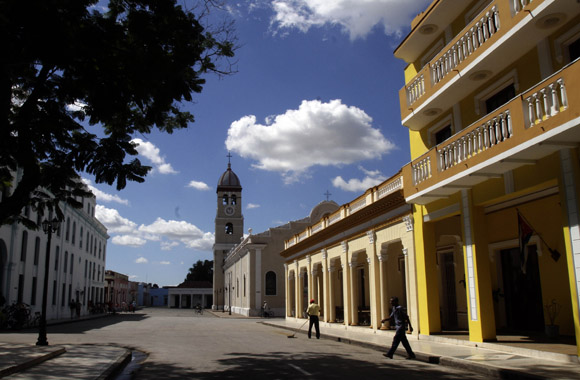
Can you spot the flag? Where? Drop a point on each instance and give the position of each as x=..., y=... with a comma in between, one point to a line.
x=525, y=232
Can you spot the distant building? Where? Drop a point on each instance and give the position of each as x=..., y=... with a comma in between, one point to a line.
x=189, y=294
x=117, y=288
x=77, y=261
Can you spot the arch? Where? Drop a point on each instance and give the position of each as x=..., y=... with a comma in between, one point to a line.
x=271, y=283
x=225, y=199
x=234, y=199
x=229, y=229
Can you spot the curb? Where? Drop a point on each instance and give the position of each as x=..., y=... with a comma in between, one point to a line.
x=117, y=366
x=31, y=363
x=446, y=361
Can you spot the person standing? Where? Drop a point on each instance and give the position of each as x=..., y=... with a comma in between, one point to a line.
x=313, y=312
x=400, y=318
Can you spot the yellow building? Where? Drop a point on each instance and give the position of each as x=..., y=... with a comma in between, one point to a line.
x=353, y=260
x=492, y=104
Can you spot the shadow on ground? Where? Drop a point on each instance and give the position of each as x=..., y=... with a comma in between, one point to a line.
x=283, y=365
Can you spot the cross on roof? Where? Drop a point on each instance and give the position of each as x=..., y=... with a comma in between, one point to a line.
x=327, y=195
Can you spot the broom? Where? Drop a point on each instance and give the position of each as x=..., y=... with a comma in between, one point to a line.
x=294, y=335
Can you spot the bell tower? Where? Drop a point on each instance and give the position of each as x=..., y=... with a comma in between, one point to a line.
x=229, y=228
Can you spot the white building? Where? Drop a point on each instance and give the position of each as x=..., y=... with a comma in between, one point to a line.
x=76, y=267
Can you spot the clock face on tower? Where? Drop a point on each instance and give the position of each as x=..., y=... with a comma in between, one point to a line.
x=229, y=210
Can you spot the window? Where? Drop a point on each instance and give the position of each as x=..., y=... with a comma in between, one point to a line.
x=442, y=134
x=244, y=285
x=67, y=233
x=56, y=259
x=74, y=231
x=63, y=295
x=225, y=199
x=500, y=98
x=72, y=262
x=574, y=50
x=36, y=250
x=54, y=292
x=81, y=238
x=24, y=245
x=20, y=298
x=65, y=261
x=229, y=229
x=33, y=295
x=270, y=283
x=234, y=200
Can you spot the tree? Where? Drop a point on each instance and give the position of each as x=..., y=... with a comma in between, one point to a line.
x=67, y=68
x=201, y=271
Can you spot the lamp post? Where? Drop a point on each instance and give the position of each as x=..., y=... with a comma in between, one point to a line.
x=230, y=295
x=48, y=226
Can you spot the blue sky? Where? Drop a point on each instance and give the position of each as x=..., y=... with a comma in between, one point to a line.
x=312, y=108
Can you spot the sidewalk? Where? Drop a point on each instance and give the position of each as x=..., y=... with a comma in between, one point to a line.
x=494, y=360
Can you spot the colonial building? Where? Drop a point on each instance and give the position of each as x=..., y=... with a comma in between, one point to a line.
x=492, y=106
x=249, y=271
x=190, y=294
x=354, y=260
x=254, y=271
x=76, y=267
x=116, y=289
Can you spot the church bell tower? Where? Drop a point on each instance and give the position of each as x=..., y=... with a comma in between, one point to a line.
x=229, y=228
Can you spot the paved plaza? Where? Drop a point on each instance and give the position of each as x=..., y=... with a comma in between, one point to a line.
x=179, y=344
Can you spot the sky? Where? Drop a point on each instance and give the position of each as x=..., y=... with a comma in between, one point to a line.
x=313, y=108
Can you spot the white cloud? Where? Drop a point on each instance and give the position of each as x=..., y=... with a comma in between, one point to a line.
x=153, y=154
x=315, y=134
x=141, y=260
x=102, y=196
x=357, y=18
x=165, y=263
x=251, y=206
x=131, y=241
x=198, y=185
x=114, y=222
x=371, y=179
x=169, y=233
x=133, y=277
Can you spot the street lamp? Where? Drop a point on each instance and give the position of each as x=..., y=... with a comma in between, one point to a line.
x=48, y=226
x=230, y=295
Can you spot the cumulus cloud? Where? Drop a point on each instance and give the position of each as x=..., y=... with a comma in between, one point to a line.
x=251, y=206
x=169, y=233
x=128, y=240
x=356, y=18
x=141, y=260
x=316, y=133
x=153, y=154
x=102, y=196
x=199, y=185
x=372, y=178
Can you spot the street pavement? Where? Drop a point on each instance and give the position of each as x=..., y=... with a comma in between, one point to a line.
x=179, y=344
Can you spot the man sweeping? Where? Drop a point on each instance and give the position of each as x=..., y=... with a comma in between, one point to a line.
x=400, y=317
x=313, y=312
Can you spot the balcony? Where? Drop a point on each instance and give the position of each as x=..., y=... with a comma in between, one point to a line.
x=371, y=196
x=497, y=37
x=533, y=125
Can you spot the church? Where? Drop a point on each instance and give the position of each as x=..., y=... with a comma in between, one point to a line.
x=248, y=270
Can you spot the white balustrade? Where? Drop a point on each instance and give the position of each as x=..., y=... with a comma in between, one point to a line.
x=473, y=38
x=334, y=218
x=520, y=4
x=416, y=89
x=421, y=170
x=357, y=205
x=317, y=227
x=479, y=139
x=391, y=187
x=546, y=102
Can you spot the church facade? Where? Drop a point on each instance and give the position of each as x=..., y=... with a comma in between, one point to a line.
x=249, y=271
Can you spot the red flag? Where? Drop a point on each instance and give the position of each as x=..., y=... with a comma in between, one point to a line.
x=525, y=232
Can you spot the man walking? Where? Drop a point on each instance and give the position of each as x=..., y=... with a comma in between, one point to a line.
x=313, y=313
x=400, y=317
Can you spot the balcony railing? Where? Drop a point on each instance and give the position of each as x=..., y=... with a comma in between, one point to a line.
x=479, y=35
x=372, y=195
x=512, y=124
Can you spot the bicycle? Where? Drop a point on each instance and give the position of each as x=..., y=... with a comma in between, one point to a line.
x=199, y=310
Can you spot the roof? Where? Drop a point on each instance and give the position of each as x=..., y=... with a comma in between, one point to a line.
x=229, y=180
x=195, y=284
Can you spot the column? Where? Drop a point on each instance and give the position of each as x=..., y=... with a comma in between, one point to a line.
x=297, y=313
x=325, y=292
x=309, y=278
x=287, y=290
x=382, y=257
x=479, y=298
x=374, y=290
x=353, y=291
x=345, y=284
x=331, y=294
